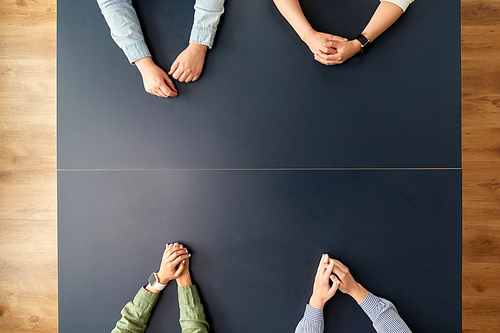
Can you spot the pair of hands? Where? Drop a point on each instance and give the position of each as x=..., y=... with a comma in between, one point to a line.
x=186, y=68
x=329, y=49
x=174, y=266
x=338, y=273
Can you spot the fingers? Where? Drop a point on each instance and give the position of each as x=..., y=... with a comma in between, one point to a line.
x=341, y=266
x=185, y=75
x=332, y=43
x=173, y=251
x=169, y=86
x=174, y=67
x=322, y=262
x=329, y=270
x=191, y=78
x=165, y=91
x=160, y=91
x=164, y=88
x=328, y=59
x=189, y=64
x=337, y=39
x=180, y=258
x=343, y=274
x=179, y=271
x=325, y=258
x=335, y=285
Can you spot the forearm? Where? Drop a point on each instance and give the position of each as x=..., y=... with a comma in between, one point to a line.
x=292, y=12
x=192, y=317
x=125, y=28
x=383, y=314
x=386, y=14
x=135, y=315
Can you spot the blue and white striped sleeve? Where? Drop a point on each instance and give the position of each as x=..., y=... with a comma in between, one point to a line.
x=384, y=315
x=312, y=322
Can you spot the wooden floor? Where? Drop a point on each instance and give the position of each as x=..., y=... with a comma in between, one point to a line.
x=28, y=203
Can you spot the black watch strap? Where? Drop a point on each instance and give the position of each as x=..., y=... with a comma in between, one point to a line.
x=365, y=42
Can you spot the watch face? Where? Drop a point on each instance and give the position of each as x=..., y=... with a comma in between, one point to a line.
x=152, y=279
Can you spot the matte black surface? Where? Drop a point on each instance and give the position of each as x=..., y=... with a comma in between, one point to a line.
x=262, y=102
x=256, y=238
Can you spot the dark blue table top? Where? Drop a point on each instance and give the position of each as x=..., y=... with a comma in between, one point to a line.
x=262, y=101
x=256, y=238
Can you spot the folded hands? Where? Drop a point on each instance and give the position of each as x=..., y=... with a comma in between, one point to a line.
x=330, y=49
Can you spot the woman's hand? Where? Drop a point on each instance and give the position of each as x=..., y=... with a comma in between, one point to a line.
x=316, y=42
x=173, y=263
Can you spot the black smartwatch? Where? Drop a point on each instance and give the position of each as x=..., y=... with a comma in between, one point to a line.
x=365, y=42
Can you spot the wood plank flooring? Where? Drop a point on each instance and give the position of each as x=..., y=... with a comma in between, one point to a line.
x=481, y=165
x=28, y=205
x=28, y=197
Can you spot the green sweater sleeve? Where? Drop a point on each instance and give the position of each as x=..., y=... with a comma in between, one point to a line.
x=135, y=315
x=192, y=317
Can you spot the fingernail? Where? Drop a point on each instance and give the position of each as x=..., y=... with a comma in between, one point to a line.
x=181, y=246
x=338, y=282
x=184, y=261
x=190, y=254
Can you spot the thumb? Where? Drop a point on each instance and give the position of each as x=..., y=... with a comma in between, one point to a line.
x=170, y=84
x=173, y=68
x=336, y=284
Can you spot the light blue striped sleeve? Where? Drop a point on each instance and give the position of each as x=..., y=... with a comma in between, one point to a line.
x=312, y=322
x=384, y=315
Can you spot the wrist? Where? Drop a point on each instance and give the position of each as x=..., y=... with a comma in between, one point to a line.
x=306, y=34
x=162, y=279
x=184, y=281
x=198, y=47
x=317, y=302
x=144, y=63
x=359, y=293
x=369, y=35
x=357, y=44
x=152, y=290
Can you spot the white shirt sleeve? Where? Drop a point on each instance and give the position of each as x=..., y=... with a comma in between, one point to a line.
x=401, y=3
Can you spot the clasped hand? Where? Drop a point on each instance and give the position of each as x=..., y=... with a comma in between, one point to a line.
x=174, y=263
x=331, y=50
x=333, y=270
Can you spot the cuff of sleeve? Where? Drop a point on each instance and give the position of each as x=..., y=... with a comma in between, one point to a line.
x=313, y=314
x=401, y=3
x=369, y=303
x=202, y=35
x=136, y=51
x=188, y=295
x=145, y=299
